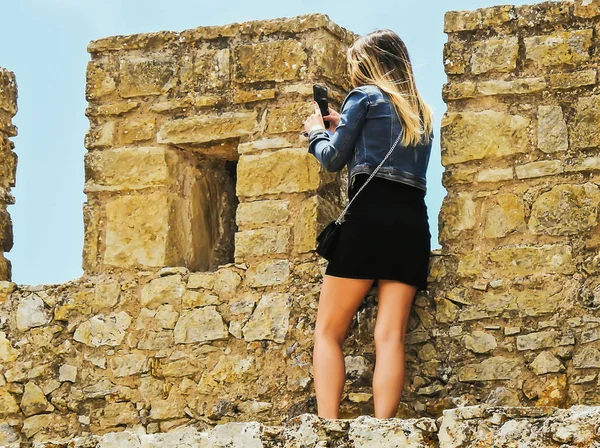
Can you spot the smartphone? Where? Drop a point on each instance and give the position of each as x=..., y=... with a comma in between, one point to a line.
x=320, y=95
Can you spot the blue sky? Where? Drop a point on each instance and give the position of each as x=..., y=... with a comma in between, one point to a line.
x=44, y=43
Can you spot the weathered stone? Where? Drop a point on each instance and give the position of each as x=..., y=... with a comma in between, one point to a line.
x=587, y=115
x=477, y=135
x=200, y=325
x=99, y=81
x=163, y=290
x=137, y=227
x=7, y=352
x=535, y=341
x=524, y=260
x=249, y=96
x=270, y=318
x=204, y=280
x=515, y=87
x=446, y=311
x=132, y=131
x=480, y=342
x=260, y=62
x=106, y=295
x=207, y=128
x=496, y=54
x=103, y=330
x=119, y=414
x=268, y=273
x=588, y=357
x=265, y=241
x=569, y=47
x=565, y=210
x=546, y=362
x=284, y=171
x=506, y=215
x=67, y=372
x=146, y=76
x=539, y=169
x=288, y=118
x=490, y=369
x=552, y=129
x=494, y=174
x=100, y=136
x=193, y=299
x=117, y=109
x=572, y=80
x=226, y=283
x=268, y=143
x=31, y=312
x=130, y=364
x=8, y=404
x=456, y=58
x=34, y=401
x=262, y=212
x=211, y=69
x=127, y=168
x=481, y=18
x=458, y=214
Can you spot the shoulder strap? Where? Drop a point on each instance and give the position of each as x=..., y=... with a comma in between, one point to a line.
x=340, y=219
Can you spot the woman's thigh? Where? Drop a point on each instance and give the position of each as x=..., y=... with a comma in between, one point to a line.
x=339, y=300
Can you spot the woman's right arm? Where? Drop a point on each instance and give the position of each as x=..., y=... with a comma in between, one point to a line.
x=333, y=152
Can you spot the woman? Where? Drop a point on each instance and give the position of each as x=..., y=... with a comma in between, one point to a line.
x=385, y=238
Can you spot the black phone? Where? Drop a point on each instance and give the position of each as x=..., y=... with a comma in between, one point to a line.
x=320, y=94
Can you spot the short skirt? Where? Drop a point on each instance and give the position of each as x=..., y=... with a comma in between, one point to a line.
x=385, y=235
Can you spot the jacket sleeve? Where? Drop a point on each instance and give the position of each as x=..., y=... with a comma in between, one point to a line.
x=333, y=152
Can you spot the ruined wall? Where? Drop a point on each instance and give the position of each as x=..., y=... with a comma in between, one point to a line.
x=518, y=305
x=8, y=164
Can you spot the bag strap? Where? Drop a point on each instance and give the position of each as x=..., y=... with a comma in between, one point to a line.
x=340, y=219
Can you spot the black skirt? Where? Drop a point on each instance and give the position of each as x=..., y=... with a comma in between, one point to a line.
x=385, y=235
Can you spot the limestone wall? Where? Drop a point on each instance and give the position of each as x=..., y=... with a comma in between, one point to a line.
x=518, y=306
x=8, y=164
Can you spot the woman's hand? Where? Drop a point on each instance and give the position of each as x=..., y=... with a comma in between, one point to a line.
x=314, y=121
x=333, y=118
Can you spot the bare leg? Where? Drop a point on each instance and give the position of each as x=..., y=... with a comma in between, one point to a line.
x=394, y=304
x=338, y=303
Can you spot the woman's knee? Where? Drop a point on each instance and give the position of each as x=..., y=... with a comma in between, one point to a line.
x=388, y=336
x=327, y=333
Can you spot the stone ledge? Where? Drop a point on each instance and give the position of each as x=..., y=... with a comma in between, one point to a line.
x=154, y=40
x=480, y=425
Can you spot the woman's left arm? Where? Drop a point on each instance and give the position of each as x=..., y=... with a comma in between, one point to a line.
x=333, y=152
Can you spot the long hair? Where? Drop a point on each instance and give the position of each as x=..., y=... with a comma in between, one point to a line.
x=381, y=58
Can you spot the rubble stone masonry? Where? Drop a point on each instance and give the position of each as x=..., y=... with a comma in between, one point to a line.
x=197, y=306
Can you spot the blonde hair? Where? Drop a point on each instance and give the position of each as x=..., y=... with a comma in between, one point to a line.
x=381, y=58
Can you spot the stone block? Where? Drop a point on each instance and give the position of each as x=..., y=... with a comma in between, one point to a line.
x=496, y=54
x=132, y=131
x=477, y=135
x=206, y=69
x=490, y=369
x=552, y=129
x=572, y=80
x=138, y=229
x=455, y=21
x=121, y=169
x=265, y=241
x=306, y=225
x=250, y=96
x=285, y=171
x=289, y=118
x=103, y=330
x=99, y=81
x=200, y=325
x=539, y=169
x=527, y=260
x=456, y=58
x=270, y=319
x=587, y=9
x=585, y=123
x=100, y=136
x=143, y=76
x=269, y=61
x=565, y=210
x=495, y=174
x=563, y=47
x=268, y=273
x=536, y=341
x=207, y=128
x=506, y=214
x=262, y=212
x=456, y=215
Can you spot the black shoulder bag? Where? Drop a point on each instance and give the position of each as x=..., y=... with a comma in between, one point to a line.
x=328, y=238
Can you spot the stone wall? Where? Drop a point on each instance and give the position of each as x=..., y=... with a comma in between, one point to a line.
x=8, y=164
x=198, y=301
x=517, y=308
